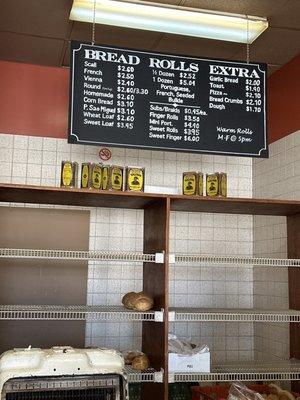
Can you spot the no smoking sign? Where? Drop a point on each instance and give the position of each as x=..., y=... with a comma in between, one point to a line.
x=105, y=154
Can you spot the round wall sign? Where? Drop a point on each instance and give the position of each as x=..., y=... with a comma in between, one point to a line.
x=105, y=154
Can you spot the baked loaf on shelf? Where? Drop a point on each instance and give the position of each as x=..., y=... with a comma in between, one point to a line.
x=140, y=301
x=138, y=360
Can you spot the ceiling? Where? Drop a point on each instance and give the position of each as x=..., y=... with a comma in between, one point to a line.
x=39, y=31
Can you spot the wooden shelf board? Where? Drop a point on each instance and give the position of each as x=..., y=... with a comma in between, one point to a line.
x=95, y=198
x=75, y=197
x=230, y=205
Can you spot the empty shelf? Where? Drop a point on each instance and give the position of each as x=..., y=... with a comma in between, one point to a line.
x=235, y=261
x=233, y=315
x=87, y=313
x=247, y=371
x=135, y=200
x=80, y=255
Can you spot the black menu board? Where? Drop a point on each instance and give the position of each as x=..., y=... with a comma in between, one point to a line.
x=131, y=98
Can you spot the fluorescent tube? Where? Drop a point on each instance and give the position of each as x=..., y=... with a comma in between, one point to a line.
x=170, y=19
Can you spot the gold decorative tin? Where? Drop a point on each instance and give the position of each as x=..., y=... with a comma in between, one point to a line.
x=105, y=177
x=189, y=183
x=222, y=184
x=96, y=176
x=86, y=175
x=216, y=184
x=212, y=184
x=135, y=179
x=69, y=173
x=116, y=177
x=200, y=184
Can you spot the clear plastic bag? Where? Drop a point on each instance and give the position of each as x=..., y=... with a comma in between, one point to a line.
x=239, y=391
x=184, y=347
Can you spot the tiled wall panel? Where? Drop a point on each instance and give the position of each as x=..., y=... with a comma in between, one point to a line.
x=37, y=160
x=277, y=177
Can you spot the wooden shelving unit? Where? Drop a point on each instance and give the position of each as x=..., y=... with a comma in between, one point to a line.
x=132, y=200
x=157, y=210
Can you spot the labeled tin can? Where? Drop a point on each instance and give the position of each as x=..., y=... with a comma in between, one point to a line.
x=69, y=174
x=135, y=179
x=86, y=175
x=222, y=184
x=105, y=177
x=96, y=176
x=116, y=177
x=200, y=184
x=189, y=183
x=212, y=184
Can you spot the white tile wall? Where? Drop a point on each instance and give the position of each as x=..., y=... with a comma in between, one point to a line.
x=276, y=177
x=36, y=160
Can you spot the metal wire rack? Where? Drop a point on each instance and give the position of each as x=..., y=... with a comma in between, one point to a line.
x=248, y=371
x=233, y=315
x=236, y=261
x=148, y=375
x=87, y=313
x=81, y=255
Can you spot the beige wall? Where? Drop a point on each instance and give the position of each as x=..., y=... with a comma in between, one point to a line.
x=52, y=282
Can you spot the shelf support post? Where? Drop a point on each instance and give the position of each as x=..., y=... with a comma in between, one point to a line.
x=293, y=241
x=155, y=283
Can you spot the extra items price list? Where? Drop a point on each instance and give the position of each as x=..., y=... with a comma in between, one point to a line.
x=253, y=94
x=224, y=89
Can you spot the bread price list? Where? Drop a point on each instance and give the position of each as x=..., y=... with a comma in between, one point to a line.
x=132, y=98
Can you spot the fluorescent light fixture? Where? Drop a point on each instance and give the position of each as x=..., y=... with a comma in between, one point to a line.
x=170, y=19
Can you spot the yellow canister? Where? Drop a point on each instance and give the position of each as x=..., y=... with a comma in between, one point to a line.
x=96, y=176
x=116, y=177
x=135, y=179
x=69, y=171
x=200, y=183
x=189, y=183
x=105, y=177
x=222, y=184
x=212, y=184
x=86, y=174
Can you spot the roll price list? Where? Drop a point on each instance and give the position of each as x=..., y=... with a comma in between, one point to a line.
x=171, y=119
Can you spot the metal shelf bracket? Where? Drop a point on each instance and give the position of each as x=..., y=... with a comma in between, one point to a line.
x=159, y=376
x=172, y=259
x=159, y=316
x=172, y=316
x=159, y=258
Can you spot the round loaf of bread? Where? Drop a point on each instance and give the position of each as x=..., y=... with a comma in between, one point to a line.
x=140, y=362
x=128, y=300
x=129, y=356
x=126, y=296
x=142, y=302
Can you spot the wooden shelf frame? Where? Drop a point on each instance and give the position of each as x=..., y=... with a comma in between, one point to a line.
x=100, y=198
x=157, y=209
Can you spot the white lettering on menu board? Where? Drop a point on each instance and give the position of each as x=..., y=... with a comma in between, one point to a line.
x=158, y=101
